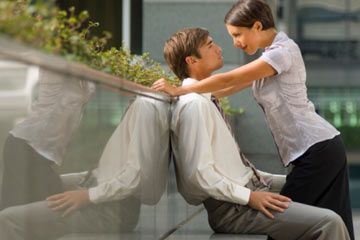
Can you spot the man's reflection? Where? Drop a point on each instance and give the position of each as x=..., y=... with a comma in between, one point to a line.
x=132, y=170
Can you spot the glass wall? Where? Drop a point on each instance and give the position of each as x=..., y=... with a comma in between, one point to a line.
x=113, y=140
x=103, y=128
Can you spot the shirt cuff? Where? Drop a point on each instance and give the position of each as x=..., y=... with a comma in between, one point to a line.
x=242, y=195
x=94, y=196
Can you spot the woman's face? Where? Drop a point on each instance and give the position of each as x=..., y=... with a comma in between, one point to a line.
x=244, y=38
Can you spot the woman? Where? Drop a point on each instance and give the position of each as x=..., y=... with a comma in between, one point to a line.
x=304, y=139
x=37, y=144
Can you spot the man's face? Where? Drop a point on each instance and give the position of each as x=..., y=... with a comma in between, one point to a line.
x=211, y=56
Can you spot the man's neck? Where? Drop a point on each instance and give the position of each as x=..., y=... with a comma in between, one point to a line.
x=200, y=76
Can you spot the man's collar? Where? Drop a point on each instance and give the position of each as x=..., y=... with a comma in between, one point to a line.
x=189, y=81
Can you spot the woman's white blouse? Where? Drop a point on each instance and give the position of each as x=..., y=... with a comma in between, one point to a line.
x=289, y=113
x=55, y=115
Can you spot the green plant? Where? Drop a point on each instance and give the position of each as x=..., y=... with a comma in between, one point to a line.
x=65, y=33
x=225, y=104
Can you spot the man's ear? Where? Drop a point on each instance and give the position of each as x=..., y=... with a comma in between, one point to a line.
x=190, y=60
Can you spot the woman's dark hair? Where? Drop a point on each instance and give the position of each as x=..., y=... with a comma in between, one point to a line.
x=244, y=13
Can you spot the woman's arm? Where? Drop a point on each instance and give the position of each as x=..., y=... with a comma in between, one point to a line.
x=230, y=90
x=239, y=77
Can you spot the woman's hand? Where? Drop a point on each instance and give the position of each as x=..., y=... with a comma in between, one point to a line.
x=163, y=85
x=68, y=202
x=265, y=201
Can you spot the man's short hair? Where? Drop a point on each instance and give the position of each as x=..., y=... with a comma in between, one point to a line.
x=184, y=43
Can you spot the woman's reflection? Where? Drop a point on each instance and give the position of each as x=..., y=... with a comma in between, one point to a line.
x=39, y=142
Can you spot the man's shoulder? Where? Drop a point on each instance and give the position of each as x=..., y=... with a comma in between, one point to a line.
x=191, y=102
x=192, y=98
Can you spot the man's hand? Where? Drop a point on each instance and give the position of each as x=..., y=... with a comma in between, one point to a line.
x=265, y=201
x=68, y=202
x=163, y=85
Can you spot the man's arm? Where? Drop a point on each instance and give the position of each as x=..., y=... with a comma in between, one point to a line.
x=142, y=145
x=68, y=202
x=131, y=155
x=266, y=201
x=195, y=134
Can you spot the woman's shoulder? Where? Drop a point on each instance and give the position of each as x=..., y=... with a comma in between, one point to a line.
x=281, y=41
x=282, y=53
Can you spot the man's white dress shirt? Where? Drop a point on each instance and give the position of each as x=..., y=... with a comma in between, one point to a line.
x=135, y=160
x=207, y=159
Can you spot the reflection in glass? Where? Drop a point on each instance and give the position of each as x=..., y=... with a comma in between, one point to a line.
x=132, y=169
x=39, y=141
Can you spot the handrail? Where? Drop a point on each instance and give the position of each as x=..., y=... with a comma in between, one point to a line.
x=15, y=51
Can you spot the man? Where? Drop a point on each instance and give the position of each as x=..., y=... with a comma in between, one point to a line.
x=209, y=168
x=132, y=170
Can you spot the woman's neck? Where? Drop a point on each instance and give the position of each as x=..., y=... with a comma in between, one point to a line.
x=268, y=37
